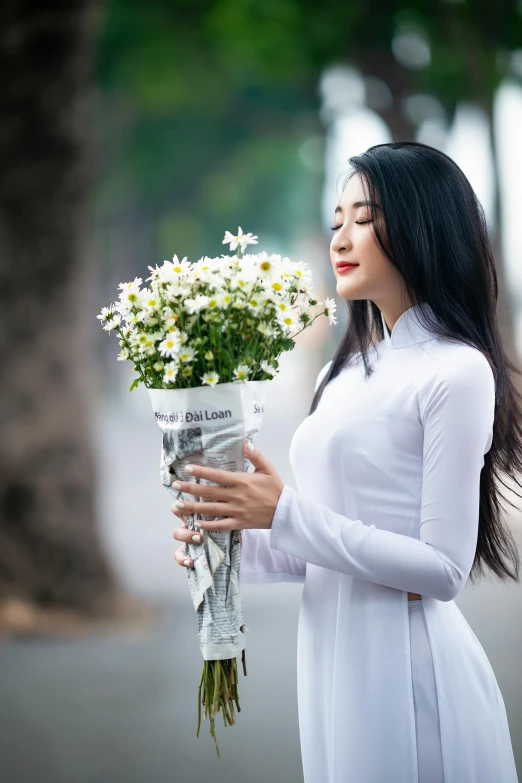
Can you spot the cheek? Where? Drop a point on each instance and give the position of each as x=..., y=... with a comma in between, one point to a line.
x=367, y=244
x=371, y=257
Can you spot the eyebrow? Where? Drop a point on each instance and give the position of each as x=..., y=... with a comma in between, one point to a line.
x=359, y=204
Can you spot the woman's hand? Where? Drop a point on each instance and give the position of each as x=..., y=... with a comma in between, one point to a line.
x=184, y=534
x=246, y=500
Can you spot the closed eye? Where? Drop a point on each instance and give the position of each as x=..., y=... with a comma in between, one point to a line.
x=358, y=222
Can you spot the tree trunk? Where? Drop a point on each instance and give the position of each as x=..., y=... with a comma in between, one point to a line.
x=379, y=62
x=49, y=548
x=505, y=304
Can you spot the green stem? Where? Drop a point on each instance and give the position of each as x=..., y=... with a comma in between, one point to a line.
x=199, y=699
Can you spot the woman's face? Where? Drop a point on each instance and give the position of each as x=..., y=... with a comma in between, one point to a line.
x=375, y=277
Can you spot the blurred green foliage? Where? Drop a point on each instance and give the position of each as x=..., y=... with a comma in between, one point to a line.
x=204, y=105
x=190, y=146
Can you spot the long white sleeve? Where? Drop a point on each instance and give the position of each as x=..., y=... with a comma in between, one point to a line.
x=457, y=416
x=260, y=563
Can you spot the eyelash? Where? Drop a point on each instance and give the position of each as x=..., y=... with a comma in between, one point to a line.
x=357, y=222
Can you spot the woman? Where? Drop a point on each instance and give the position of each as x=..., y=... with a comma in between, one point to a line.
x=398, y=467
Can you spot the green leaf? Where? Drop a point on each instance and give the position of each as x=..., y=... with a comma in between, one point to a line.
x=134, y=384
x=287, y=344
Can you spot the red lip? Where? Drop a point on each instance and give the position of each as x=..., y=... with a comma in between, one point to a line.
x=344, y=265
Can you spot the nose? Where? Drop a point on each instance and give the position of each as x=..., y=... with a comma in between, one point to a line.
x=340, y=241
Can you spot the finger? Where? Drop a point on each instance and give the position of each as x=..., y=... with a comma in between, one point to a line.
x=178, y=512
x=182, y=558
x=229, y=523
x=210, y=491
x=226, y=478
x=188, y=536
x=206, y=508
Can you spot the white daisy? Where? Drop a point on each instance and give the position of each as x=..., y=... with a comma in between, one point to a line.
x=268, y=368
x=169, y=346
x=301, y=272
x=150, y=320
x=148, y=346
x=254, y=304
x=210, y=378
x=265, y=264
x=137, y=318
x=284, y=306
x=113, y=323
x=140, y=340
x=135, y=284
x=241, y=372
x=265, y=330
x=329, y=309
x=182, y=337
x=240, y=239
x=208, y=277
x=213, y=303
x=149, y=300
x=225, y=299
x=276, y=284
x=130, y=292
x=196, y=304
x=171, y=372
x=186, y=354
x=288, y=321
x=173, y=271
x=107, y=313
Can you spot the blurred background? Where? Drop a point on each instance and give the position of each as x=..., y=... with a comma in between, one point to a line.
x=130, y=132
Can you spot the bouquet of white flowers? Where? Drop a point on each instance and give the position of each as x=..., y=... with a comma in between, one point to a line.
x=204, y=338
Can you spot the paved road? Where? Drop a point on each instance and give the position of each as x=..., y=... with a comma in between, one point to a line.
x=123, y=709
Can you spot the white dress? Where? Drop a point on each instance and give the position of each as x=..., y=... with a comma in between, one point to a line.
x=388, y=475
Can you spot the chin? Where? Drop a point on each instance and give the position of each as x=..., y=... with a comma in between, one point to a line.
x=346, y=291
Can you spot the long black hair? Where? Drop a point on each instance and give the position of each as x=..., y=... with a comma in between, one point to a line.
x=433, y=230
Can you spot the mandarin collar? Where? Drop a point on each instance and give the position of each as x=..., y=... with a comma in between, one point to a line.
x=407, y=330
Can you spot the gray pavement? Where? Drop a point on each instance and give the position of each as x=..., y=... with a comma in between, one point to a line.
x=123, y=708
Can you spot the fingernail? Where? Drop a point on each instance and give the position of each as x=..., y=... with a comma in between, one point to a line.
x=189, y=469
x=176, y=485
x=250, y=446
x=197, y=539
x=179, y=504
x=198, y=525
x=186, y=562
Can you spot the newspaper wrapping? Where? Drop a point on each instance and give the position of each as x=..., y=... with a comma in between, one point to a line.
x=209, y=426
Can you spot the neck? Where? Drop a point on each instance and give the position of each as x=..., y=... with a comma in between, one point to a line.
x=392, y=313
